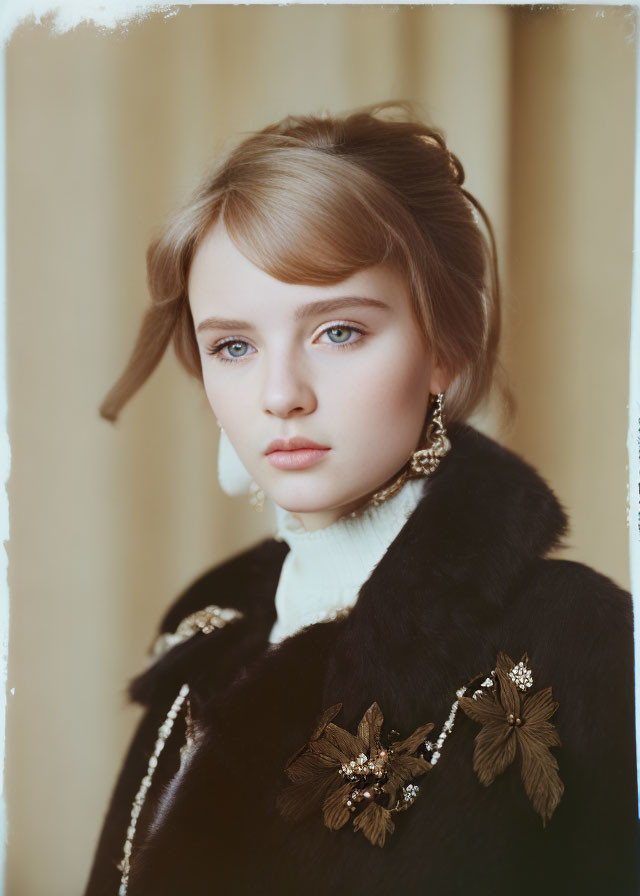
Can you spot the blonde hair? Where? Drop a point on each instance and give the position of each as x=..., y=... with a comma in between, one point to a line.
x=314, y=199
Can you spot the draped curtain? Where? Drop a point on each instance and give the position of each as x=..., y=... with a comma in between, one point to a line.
x=108, y=132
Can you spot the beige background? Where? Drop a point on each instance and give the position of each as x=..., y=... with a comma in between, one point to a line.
x=106, y=133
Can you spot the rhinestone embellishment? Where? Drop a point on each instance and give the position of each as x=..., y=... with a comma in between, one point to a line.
x=521, y=676
x=206, y=621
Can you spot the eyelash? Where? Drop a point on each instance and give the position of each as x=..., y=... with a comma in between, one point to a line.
x=217, y=348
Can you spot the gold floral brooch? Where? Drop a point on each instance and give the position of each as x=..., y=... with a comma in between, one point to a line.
x=343, y=773
x=358, y=777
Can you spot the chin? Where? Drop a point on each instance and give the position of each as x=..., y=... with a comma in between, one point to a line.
x=296, y=505
x=298, y=502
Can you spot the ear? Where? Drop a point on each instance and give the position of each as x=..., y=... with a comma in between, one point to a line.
x=440, y=379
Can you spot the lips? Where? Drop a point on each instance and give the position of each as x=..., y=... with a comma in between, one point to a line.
x=295, y=454
x=294, y=444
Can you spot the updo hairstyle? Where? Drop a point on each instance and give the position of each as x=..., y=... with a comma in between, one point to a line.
x=313, y=200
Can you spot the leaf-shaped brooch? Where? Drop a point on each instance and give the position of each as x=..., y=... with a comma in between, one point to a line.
x=516, y=722
x=354, y=776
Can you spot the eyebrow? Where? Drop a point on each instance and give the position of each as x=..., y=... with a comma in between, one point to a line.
x=324, y=306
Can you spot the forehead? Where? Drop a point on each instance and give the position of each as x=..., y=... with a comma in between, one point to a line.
x=223, y=280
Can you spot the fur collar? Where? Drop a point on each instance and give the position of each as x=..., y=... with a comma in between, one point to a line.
x=484, y=517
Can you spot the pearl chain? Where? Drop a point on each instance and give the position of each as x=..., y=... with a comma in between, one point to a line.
x=163, y=734
x=447, y=728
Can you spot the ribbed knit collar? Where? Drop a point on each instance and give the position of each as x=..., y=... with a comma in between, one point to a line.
x=324, y=570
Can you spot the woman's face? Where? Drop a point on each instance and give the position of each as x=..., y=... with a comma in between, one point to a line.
x=344, y=367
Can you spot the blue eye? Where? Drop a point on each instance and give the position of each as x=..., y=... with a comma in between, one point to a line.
x=343, y=333
x=340, y=335
x=237, y=349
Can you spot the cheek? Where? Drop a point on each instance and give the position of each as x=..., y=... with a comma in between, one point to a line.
x=393, y=399
x=226, y=403
x=212, y=396
x=400, y=390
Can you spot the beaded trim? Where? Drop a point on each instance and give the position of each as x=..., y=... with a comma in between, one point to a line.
x=205, y=621
x=163, y=734
x=447, y=728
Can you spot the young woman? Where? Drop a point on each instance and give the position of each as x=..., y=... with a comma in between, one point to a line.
x=398, y=692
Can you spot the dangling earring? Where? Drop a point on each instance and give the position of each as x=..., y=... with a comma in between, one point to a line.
x=256, y=496
x=425, y=461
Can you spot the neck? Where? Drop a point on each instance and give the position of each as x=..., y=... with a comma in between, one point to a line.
x=311, y=522
x=320, y=519
x=325, y=568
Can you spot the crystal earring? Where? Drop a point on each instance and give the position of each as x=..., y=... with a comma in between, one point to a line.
x=425, y=461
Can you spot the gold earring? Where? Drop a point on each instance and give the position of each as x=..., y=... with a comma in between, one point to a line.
x=425, y=461
x=256, y=496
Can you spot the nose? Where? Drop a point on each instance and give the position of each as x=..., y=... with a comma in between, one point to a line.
x=287, y=389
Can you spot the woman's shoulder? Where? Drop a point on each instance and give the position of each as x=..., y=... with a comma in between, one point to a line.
x=589, y=602
x=576, y=625
x=224, y=599
x=578, y=621
x=234, y=582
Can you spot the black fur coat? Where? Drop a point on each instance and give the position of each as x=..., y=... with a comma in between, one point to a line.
x=465, y=577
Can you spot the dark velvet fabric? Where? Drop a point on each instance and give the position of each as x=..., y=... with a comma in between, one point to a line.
x=465, y=577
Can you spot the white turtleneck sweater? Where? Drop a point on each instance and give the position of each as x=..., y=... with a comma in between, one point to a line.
x=324, y=570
